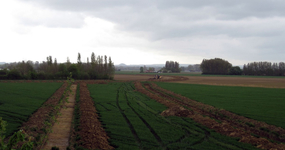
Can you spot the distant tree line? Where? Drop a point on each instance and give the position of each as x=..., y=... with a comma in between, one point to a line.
x=100, y=67
x=219, y=66
x=171, y=67
x=264, y=69
x=215, y=66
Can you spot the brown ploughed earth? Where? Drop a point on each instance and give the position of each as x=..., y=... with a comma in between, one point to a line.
x=93, y=135
x=223, y=81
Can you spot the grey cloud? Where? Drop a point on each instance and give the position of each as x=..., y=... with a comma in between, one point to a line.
x=162, y=21
x=152, y=16
x=239, y=9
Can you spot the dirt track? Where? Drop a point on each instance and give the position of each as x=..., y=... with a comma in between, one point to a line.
x=227, y=81
x=61, y=130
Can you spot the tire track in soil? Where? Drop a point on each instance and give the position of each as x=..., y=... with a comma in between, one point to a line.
x=146, y=123
x=138, y=141
x=103, y=106
x=61, y=130
x=208, y=136
x=226, y=127
x=206, y=133
x=187, y=133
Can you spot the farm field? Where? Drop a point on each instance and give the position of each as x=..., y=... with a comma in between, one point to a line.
x=133, y=121
x=136, y=112
x=199, y=74
x=19, y=100
x=278, y=82
x=266, y=82
x=263, y=104
x=165, y=74
x=248, y=130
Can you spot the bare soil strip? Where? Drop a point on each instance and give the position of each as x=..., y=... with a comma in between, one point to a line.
x=92, y=134
x=61, y=130
x=221, y=121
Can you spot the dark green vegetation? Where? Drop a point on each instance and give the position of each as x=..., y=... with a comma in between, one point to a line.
x=263, y=104
x=215, y=66
x=133, y=121
x=19, y=100
x=219, y=66
x=76, y=115
x=98, y=68
x=264, y=69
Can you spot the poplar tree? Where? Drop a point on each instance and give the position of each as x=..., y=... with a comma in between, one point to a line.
x=79, y=62
x=79, y=59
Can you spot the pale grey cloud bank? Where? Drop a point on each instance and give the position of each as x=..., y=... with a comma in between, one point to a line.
x=155, y=31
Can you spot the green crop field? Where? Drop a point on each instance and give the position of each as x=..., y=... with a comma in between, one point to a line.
x=19, y=100
x=133, y=121
x=263, y=104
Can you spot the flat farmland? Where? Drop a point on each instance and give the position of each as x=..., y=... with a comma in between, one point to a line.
x=214, y=80
x=133, y=120
x=236, y=81
x=19, y=100
x=143, y=77
x=263, y=104
x=136, y=112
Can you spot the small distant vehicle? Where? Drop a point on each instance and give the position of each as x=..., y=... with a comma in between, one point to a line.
x=157, y=77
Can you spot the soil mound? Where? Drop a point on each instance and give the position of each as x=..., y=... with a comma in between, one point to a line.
x=177, y=111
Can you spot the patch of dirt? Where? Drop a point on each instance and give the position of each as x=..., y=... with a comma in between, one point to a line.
x=92, y=134
x=221, y=121
x=177, y=111
x=93, y=81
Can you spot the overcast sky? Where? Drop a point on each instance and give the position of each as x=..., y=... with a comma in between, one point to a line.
x=143, y=32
